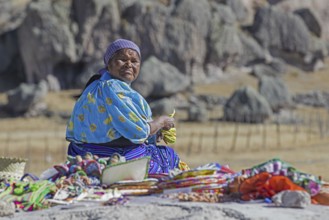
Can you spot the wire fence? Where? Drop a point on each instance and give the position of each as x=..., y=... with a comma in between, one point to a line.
x=46, y=148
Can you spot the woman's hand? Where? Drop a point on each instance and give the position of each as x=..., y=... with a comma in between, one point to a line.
x=163, y=122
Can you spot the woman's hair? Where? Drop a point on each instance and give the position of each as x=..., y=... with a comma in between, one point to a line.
x=91, y=80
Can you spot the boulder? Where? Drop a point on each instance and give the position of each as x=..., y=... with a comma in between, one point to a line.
x=292, y=199
x=313, y=99
x=247, y=105
x=145, y=25
x=224, y=45
x=98, y=24
x=27, y=99
x=158, y=79
x=163, y=35
x=12, y=15
x=251, y=50
x=275, y=68
x=163, y=106
x=124, y=4
x=311, y=21
x=319, y=9
x=239, y=9
x=274, y=28
x=53, y=83
x=88, y=71
x=8, y=50
x=197, y=113
x=11, y=68
x=46, y=40
x=212, y=101
x=275, y=92
x=196, y=12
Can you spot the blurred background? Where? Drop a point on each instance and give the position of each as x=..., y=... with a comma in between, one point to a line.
x=249, y=79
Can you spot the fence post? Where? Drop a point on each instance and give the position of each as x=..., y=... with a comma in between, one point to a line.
x=264, y=135
x=214, y=150
x=235, y=134
x=320, y=124
x=46, y=151
x=189, y=147
x=327, y=123
x=278, y=133
x=310, y=122
x=27, y=152
x=7, y=144
x=249, y=132
x=200, y=142
x=296, y=130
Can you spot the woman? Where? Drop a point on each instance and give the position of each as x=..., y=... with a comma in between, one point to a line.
x=110, y=117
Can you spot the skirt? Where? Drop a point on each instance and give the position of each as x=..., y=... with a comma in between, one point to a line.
x=163, y=158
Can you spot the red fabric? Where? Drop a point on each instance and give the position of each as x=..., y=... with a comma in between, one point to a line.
x=264, y=185
x=322, y=197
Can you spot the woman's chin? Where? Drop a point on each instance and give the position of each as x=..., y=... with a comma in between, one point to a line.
x=128, y=78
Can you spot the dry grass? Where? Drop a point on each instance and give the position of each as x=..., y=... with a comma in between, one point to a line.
x=42, y=139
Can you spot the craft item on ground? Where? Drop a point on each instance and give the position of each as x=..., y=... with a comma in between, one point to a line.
x=275, y=166
x=12, y=168
x=292, y=199
x=48, y=174
x=158, y=176
x=95, y=195
x=116, y=158
x=234, y=186
x=203, y=197
x=210, y=178
x=136, y=169
x=88, y=168
x=322, y=197
x=265, y=185
x=29, y=195
x=132, y=187
x=198, y=197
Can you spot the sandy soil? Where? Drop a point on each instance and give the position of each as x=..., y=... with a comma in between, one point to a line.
x=152, y=207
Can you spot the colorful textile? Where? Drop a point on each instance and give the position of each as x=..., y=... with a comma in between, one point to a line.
x=323, y=196
x=29, y=196
x=107, y=110
x=163, y=158
x=277, y=167
x=210, y=178
x=265, y=185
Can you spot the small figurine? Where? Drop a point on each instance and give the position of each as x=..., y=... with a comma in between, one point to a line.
x=116, y=158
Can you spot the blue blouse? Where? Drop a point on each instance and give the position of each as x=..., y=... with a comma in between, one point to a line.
x=109, y=109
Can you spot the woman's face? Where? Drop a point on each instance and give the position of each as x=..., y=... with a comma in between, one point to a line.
x=125, y=65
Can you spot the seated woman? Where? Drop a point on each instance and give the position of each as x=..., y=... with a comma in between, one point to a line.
x=110, y=117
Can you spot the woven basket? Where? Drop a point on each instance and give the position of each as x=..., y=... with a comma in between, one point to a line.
x=12, y=168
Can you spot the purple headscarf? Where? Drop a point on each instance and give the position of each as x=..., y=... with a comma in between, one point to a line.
x=118, y=45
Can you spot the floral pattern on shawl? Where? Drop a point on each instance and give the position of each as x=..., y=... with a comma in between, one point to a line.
x=109, y=109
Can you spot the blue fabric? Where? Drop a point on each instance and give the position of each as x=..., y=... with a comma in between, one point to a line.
x=163, y=158
x=109, y=109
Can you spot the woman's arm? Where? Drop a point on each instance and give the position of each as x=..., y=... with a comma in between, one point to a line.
x=163, y=122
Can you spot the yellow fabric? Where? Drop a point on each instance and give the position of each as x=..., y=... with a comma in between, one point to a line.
x=183, y=166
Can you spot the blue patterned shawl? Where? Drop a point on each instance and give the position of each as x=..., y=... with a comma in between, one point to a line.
x=109, y=109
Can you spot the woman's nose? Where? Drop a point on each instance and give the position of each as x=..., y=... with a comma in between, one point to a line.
x=128, y=63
